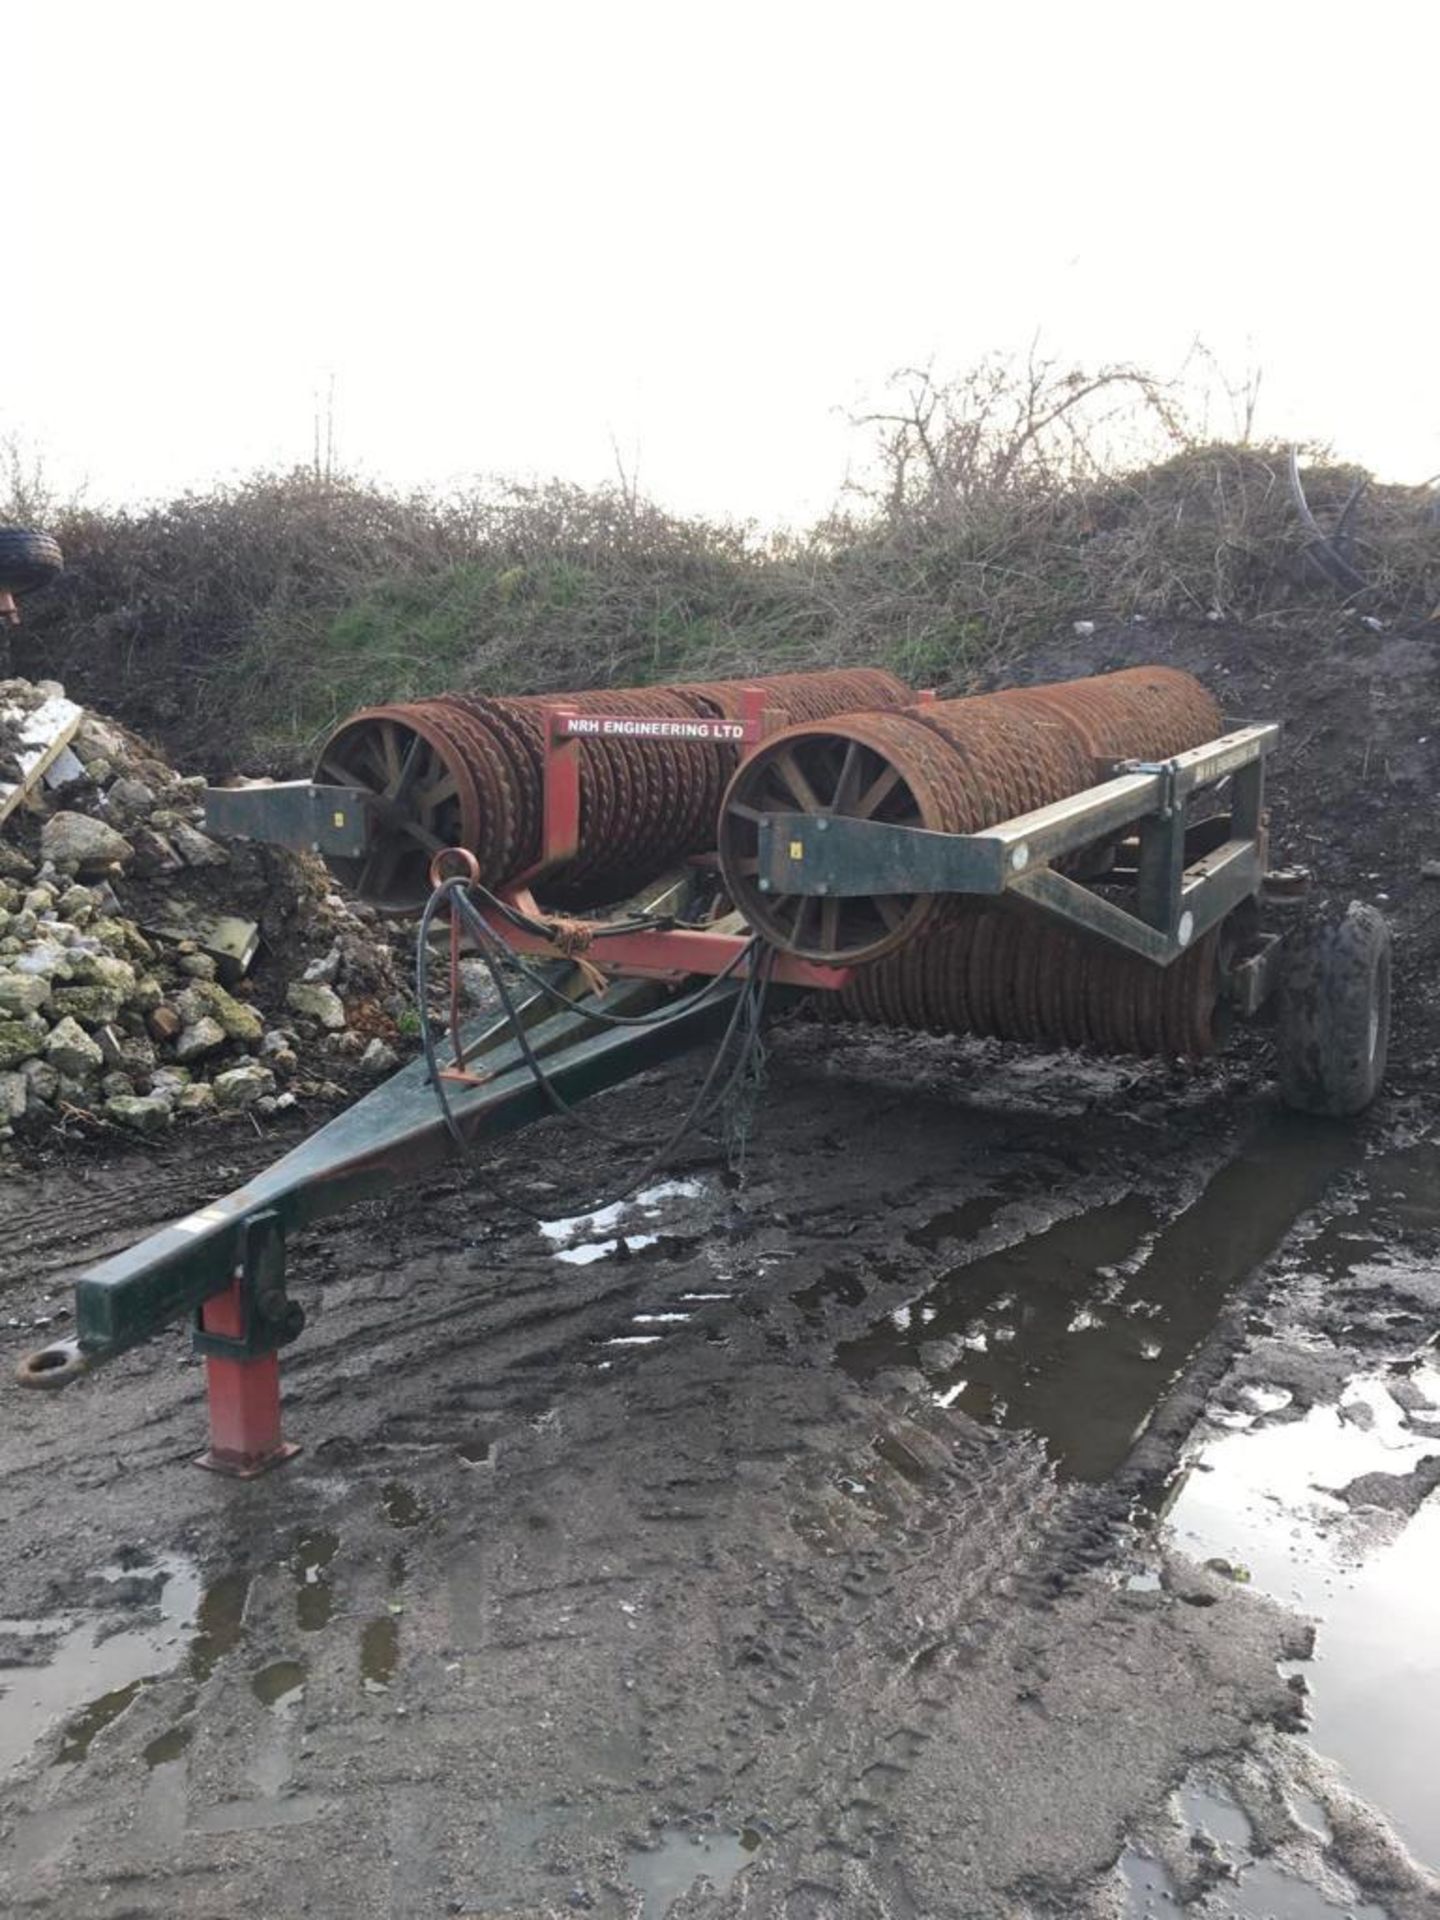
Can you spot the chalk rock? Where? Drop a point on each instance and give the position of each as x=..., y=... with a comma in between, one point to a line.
x=316, y=1001
x=23, y=993
x=207, y=997
x=195, y=849
x=70, y=1050
x=204, y=1037
x=141, y=1113
x=75, y=840
x=243, y=1086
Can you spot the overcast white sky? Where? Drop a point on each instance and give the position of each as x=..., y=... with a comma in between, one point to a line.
x=513, y=234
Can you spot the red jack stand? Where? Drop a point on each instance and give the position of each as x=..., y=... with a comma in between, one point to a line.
x=242, y=1367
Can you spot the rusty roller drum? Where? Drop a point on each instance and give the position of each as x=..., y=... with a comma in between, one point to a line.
x=954, y=766
x=1006, y=972
x=467, y=770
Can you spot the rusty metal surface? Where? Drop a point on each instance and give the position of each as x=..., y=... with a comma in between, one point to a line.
x=1142, y=713
x=644, y=803
x=1007, y=973
x=953, y=766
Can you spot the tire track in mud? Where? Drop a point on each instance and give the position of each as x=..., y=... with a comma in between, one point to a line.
x=1018, y=1543
x=862, y=1654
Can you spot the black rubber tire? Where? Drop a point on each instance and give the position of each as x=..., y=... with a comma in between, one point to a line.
x=1335, y=1013
x=27, y=560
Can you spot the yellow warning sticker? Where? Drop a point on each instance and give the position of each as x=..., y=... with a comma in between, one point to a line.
x=797, y=849
x=339, y=819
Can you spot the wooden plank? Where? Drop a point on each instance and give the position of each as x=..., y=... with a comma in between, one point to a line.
x=44, y=735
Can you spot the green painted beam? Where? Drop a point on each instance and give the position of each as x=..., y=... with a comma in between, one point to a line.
x=383, y=1142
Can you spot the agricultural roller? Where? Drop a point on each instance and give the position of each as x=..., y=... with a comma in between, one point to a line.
x=1079, y=865
x=651, y=764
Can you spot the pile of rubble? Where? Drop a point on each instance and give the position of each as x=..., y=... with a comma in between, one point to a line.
x=148, y=973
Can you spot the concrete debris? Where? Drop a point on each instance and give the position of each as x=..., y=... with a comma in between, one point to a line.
x=195, y=848
x=206, y=1036
x=207, y=998
x=69, y=1049
x=141, y=1113
x=23, y=993
x=243, y=1086
x=316, y=1001
x=323, y=970
x=140, y=959
x=131, y=800
x=75, y=841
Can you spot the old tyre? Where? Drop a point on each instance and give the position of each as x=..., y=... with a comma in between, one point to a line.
x=27, y=560
x=1335, y=1013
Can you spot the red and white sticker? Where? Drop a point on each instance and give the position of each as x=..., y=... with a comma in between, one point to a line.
x=626, y=726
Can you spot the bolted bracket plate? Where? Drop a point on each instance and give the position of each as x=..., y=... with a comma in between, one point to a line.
x=269, y=1319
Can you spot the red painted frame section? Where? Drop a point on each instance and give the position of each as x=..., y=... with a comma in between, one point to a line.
x=669, y=955
x=560, y=833
x=565, y=728
x=243, y=1398
x=665, y=954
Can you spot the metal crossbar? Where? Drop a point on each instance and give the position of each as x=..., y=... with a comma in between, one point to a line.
x=1175, y=899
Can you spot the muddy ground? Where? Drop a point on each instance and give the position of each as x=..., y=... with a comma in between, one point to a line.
x=1004, y=1490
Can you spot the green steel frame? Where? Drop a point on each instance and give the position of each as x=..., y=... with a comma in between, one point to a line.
x=382, y=1142
x=1174, y=896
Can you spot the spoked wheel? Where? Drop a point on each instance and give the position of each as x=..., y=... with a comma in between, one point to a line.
x=870, y=771
x=421, y=799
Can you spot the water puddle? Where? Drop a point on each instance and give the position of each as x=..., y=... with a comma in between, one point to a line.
x=401, y=1505
x=278, y=1684
x=588, y=1252
x=1077, y=1332
x=650, y=1327
x=85, y=1671
x=962, y=1223
x=1336, y=1515
x=96, y=1717
x=379, y=1653
x=671, y=1868
x=1269, y=1500
x=219, y=1621
x=588, y=1237
x=168, y=1746
x=1220, y=1831
x=1262, y=1891
x=314, y=1598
